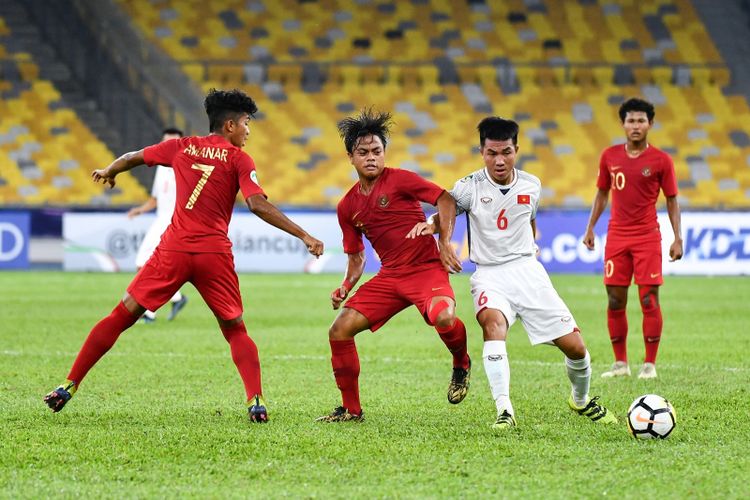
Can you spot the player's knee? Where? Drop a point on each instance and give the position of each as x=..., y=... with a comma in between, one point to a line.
x=616, y=303
x=339, y=331
x=442, y=315
x=649, y=299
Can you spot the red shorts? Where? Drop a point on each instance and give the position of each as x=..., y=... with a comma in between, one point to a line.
x=628, y=257
x=383, y=297
x=212, y=274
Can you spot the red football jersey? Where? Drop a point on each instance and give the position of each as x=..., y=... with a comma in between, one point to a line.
x=208, y=171
x=386, y=215
x=634, y=184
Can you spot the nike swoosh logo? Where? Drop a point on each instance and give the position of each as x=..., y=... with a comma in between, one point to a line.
x=640, y=418
x=438, y=288
x=655, y=275
x=616, y=168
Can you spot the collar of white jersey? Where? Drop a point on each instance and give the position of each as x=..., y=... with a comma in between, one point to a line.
x=504, y=187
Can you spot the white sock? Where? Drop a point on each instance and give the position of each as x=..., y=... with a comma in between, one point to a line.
x=497, y=369
x=176, y=297
x=150, y=314
x=579, y=374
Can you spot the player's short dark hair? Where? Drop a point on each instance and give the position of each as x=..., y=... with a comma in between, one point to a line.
x=368, y=122
x=173, y=131
x=635, y=104
x=497, y=129
x=223, y=105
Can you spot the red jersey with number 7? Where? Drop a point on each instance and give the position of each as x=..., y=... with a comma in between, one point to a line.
x=635, y=184
x=209, y=171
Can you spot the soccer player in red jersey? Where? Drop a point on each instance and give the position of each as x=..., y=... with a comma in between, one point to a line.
x=634, y=172
x=384, y=206
x=209, y=171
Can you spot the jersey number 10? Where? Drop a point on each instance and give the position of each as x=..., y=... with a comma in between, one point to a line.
x=618, y=180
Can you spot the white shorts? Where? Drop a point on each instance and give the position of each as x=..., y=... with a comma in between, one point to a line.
x=523, y=289
x=150, y=241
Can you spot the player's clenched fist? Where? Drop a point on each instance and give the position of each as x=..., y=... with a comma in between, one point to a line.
x=588, y=239
x=314, y=245
x=102, y=175
x=339, y=295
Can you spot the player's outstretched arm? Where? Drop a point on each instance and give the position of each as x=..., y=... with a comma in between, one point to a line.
x=264, y=209
x=446, y=221
x=149, y=205
x=122, y=164
x=675, y=219
x=597, y=208
x=354, y=268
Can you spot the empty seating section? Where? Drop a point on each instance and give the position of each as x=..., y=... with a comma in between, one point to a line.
x=625, y=31
x=427, y=62
x=46, y=152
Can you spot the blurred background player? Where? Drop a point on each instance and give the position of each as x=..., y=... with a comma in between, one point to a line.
x=163, y=195
x=195, y=247
x=634, y=172
x=501, y=203
x=383, y=206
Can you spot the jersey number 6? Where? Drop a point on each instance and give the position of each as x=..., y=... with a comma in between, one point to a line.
x=206, y=169
x=502, y=221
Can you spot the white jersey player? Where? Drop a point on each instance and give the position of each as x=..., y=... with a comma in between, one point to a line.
x=163, y=196
x=509, y=283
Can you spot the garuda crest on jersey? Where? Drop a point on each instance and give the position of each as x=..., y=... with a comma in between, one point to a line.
x=383, y=201
x=646, y=171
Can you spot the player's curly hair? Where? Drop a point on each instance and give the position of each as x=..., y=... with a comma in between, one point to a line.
x=497, y=129
x=368, y=122
x=636, y=104
x=223, y=105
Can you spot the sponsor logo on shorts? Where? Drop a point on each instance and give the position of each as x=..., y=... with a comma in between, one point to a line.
x=495, y=357
x=655, y=275
x=565, y=319
x=486, y=199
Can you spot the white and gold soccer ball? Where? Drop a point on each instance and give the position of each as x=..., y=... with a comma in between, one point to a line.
x=651, y=417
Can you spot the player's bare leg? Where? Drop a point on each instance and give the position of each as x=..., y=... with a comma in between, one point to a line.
x=652, y=328
x=617, y=324
x=452, y=331
x=345, y=363
x=100, y=340
x=495, y=357
x=578, y=368
x=245, y=357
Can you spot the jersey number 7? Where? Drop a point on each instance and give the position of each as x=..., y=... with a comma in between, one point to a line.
x=206, y=169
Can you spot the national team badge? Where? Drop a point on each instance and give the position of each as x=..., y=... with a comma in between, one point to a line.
x=523, y=199
x=646, y=171
x=383, y=201
x=486, y=199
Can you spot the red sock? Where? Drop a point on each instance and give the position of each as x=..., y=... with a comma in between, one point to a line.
x=345, y=362
x=617, y=323
x=100, y=340
x=454, y=338
x=652, y=326
x=245, y=357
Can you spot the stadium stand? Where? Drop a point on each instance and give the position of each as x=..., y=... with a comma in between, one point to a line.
x=311, y=63
x=47, y=153
x=439, y=66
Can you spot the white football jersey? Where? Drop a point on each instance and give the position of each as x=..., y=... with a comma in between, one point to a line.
x=164, y=190
x=499, y=217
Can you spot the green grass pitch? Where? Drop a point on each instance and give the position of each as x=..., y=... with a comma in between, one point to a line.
x=163, y=413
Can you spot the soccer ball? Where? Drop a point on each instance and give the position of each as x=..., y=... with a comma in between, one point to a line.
x=651, y=417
